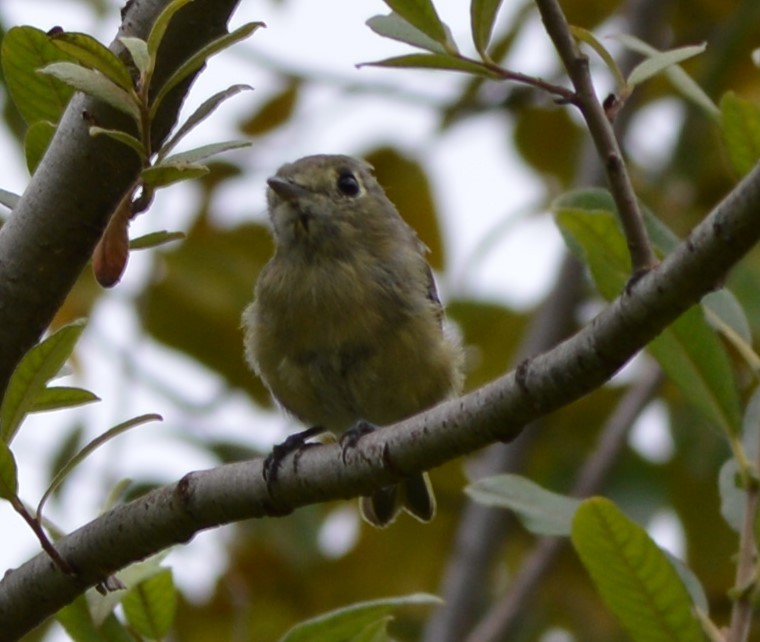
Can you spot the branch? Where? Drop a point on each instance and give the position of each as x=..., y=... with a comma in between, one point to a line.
x=51, y=234
x=603, y=135
x=496, y=412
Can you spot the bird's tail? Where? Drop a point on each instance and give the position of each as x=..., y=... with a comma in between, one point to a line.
x=414, y=495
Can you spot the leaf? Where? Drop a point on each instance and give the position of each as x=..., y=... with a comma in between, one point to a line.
x=733, y=498
x=59, y=397
x=96, y=85
x=274, y=112
x=198, y=59
x=433, y=61
x=8, y=473
x=688, y=350
x=37, y=97
x=393, y=26
x=89, y=449
x=349, y=621
x=90, y=53
x=724, y=306
x=740, y=130
x=633, y=576
x=660, y=61
x=151, y=605
x=76, y=620
x=36, y=141
x=159, y=27
x=375, y=632
x=35, y=369
x=482, y=18
x=540, y=511
x=199, y=115
x=204, y=152
x=677, y=76
x=9, y=199
x=127, y=139
x=155, y=239
x=166, y=174
x=583, y=35
x=422, y=15
x=138, y=51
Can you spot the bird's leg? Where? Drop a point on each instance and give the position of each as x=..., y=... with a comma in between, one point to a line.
x=293, y=443
x=351, y=437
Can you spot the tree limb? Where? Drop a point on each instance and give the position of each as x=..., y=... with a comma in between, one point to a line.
x=496, y=412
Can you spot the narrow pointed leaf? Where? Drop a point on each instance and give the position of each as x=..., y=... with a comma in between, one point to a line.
x=540, y=511
x=76, y=620
x=166, y=174
x=482, y=18
x=161, y=24
x=199, y=115
x=9, y=199
x=204, y=152
x=94, y=84
x=89, y=449
x=8, y=473
x=661, y=61
x=59, y=397
x=375, y=632
x=688, y=350
x=592, y=41
x=155, y=239
x=422, y=15
x=127, y=139
x=740, y=130
x=393, y=26
x=37, y=97
x=151, y=605
x=36, y=141
x=198, y=59
x=344, y=623
x=633, y=576
x=90, y=53
x=30, y=377
x=433, y=61
x=138, y=50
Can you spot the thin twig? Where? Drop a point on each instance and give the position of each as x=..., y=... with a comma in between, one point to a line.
x=603, y=135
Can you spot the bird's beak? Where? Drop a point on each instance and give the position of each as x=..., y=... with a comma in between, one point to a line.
x=285, y=189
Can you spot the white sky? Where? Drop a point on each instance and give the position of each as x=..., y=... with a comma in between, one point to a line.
x=478, y=181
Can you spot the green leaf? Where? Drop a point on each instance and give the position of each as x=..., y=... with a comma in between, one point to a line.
x=89, y=53
x=30, y=377
x=165, y=174
x=151, y=605
x=37, y=97
x=684, y=83
x=76, y=620
x=688, y=350
x=59, y=397
x=127, y=139
x=482, y=18
x=726, y=308
x=433, y=61
x=9, y=199
x=155, y=239
x=583, y=35
x=375, y=632
x=198, y=59
x=96, y=85
x=36, y=141
x=204, y=152
x=159, y=27
x=540, y=511
x=393, y=26
x=422, y=15
x=740, y=130
x=200, y=114
x=633, y=576
x=93, y=445
x=733, y=498
x=344, y=623
x=8, y=473
x=660, y=61
x=138, y=50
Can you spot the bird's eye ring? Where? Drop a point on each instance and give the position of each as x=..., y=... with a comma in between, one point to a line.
x=348, y=184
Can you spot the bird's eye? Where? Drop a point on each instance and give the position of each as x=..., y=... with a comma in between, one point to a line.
x=348, y=184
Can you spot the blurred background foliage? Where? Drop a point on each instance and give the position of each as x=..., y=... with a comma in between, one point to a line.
x=277, y=572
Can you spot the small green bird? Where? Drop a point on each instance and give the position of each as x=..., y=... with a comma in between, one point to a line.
x=346, y=327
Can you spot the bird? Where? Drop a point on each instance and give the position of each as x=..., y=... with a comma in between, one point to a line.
x=346, y=328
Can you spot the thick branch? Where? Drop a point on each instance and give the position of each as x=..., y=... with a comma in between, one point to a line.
x=602, y=133
x=51, y=234
x=497, y=411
